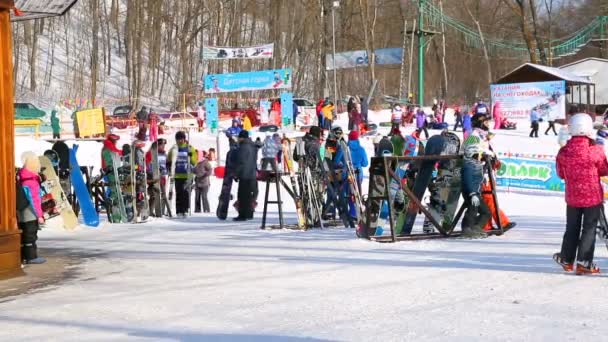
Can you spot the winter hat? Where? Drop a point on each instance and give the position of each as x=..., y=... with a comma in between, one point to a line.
x=180, y=135
x=478, y=120
x=353, y=135
x=243, y=134
x=315, y=131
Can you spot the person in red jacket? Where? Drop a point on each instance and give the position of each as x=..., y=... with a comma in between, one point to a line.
x=581, y=163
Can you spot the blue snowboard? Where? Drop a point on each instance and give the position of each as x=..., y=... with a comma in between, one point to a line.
x=89, y=214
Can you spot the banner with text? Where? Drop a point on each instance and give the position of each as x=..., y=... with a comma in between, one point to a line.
x=244, y=81
x=359, y=58
x=533, y=174
x=517, y=100
x=247, y=52
x=212, y=111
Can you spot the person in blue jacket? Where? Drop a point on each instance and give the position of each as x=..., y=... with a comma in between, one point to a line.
x=234, y=130
x=467, y=127
x=534, y=119
x=358, y=156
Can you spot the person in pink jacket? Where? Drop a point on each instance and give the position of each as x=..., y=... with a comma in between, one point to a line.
x=497, y=112
x=29, y=207
x=581, y=163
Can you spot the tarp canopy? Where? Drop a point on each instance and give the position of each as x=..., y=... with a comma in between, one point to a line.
x=36, y=9
x=530, y=72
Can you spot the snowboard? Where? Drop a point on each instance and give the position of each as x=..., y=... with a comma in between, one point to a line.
x=225, y=196
x=355, y=195
x=90, y=215
x=116, y=202
x=139, y=186
x=52, y=187
x=156, y=200
x=292, y=177
x=447, y=186
x=371, y=226
x=63, y=170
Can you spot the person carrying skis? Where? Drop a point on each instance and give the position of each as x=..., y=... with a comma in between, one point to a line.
x=476, y=148
x=581, y=163
x=185, y=158
x=29, y=207
x=245, y=175
x=202, y=172
x=107, y=164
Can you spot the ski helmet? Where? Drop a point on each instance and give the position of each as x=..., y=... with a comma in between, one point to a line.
x=479, y=121
x=581, y=125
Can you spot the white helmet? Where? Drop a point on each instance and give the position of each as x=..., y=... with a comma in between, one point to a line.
x=581, y=125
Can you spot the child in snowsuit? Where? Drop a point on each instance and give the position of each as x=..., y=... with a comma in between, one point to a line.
x=202, y=172
x=421, y=122
x=581, y=163
x=476, y=148
x=270, y=150
x=29, y=207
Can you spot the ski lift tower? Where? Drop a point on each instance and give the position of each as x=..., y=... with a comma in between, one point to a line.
x=10, y=237
x=422, y=33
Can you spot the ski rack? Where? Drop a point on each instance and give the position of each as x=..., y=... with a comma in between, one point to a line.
x=389, y=173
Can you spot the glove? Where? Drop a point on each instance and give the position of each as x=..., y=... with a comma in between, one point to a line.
x=475, y=201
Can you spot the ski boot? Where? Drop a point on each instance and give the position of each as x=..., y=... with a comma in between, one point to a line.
x=36, y=261
x=586, y=267
x=567, y=266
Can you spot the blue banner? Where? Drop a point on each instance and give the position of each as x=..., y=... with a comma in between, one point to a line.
x=530, y=174
x=244, y=81
x=359, y=58
x=212, y=113
x=287, y=109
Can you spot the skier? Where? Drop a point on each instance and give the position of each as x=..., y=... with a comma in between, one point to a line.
x=475, y=148
x=185, y=158
x=202, y=172
x=234, y=130
x=581, y=163
x=29, y=209
x=358, y=155
x=421, y=122
x=270, y=150
x=245, y=175
x=107, y=164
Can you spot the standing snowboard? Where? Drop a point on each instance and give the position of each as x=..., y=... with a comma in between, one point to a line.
x=53, y=187
x=90, y=215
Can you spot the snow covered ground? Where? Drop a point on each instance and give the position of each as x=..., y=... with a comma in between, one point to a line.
x=201, y=279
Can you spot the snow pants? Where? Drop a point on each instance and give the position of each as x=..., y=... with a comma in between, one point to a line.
x=486, y=196
x=200, y=195
x=577, y=218
x=247, y=191
x=475, y=217
x=29, y=235
x=182, y=196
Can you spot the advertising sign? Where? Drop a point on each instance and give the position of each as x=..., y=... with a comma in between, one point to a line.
x=527, y=173
x=91, y=122
x=359, y=58
x=212, y=113
x=244, y=81
x=247, y=52
x=287, y=109
x=517, y=100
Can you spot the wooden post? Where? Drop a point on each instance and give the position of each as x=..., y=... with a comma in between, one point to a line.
x=10, y=237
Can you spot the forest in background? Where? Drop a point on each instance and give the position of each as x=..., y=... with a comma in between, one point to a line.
x=148, y=51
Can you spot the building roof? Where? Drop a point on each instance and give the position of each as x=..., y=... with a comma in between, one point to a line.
x=530, y=72
x=584, y=60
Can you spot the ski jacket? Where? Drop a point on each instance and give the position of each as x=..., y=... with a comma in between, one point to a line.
x=31, y=186
x=271, y=148
x=246, y=162
x=398, y=144
x=327, y=111
x=476, y=146
x=231, y=159
x=358, y=155
x=55, y=124
x=247, y=124
x=466, y=122
x=312, y=150
x=202, y=172
x=356, y=119
x=534, y=116
x=233, y=131
x=185, y=158
x=420, y=118
x=481, y=108
x=106, y=153
x=162, y=162
x=581, y=163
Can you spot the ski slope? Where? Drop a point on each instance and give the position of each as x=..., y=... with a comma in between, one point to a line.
x=201, y=279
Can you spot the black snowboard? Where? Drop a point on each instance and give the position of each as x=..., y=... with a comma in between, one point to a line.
x=225, y=197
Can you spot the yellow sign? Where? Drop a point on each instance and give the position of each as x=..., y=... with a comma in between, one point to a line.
x=91, y=122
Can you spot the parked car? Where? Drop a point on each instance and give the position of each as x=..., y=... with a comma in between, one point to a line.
x=28, y=111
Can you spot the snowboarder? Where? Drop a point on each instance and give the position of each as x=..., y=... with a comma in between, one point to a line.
x=581, y=163
x=202, y=172
x=29, y=207
x=476, y=148
x=245, y=175
x=185, y=158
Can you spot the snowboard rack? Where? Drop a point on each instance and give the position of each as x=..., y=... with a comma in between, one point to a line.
x=391, y=162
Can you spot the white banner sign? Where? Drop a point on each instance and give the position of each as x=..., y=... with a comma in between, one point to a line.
x=248, y=52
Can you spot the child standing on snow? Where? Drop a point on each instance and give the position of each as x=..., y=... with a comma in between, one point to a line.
x=29, y=207
x=581, y=163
